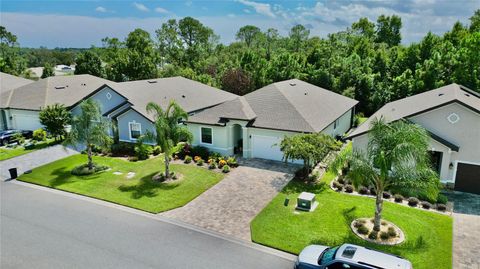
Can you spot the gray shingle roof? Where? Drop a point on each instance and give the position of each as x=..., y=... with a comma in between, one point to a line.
x=237, y=108
x=9, y=82
x=292, y=105
x=189, y=94
x=66, y=90
x=418, y=103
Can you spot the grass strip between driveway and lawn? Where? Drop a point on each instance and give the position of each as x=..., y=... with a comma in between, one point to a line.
x=8, y=153
x=428, y=235
x=139, y=192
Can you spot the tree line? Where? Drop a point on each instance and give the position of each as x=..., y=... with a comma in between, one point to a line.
x=366, y=61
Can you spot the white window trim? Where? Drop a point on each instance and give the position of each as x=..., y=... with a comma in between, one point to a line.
x=130, y=129
x=204, y=143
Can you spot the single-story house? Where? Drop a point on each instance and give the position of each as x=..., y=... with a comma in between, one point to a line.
x=7, y=84
x=253, y=125
x=451, y=114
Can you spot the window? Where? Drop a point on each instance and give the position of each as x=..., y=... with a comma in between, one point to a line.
x=206, y=135
x=135, y=129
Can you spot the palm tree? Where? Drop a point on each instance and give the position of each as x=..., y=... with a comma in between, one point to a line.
x=89, y=128
x=397, y=156
x=168, y=131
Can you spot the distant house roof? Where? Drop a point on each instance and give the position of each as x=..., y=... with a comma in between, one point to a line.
x=291, y=105
x=190, y=95
x=66, y=90
x=9, y=82
x=423, y=102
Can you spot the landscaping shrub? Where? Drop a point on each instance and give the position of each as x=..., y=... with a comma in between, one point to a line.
x=161, y=177
x=232, y=162
x=226, y=168
x=442, y=199
x=392, y=232
x=373, y=235
x=212, y=164
x=122, y=149
x=426, y=205
x=362, y=229
x=185, y=151
x=398, y=198
x=383, y=223
x=156, y=150
x=29, y=146
x=341, y=180
x=363, y=190
x=203, y=152
x=384, y=236
x=302, y=173
x=197, y=158
x=142, y=151
x=215, y=155
x=386, y=195
x=337, y=185
x=133, y=158
x=348, y=188
x=441, y=207
x=188, y=159
x=313, y=176
x=222, y=163
x=373, y=191
x=83, y=170
x=200, y=162
x=18, y=137
x=413, y=201
x=39, y=135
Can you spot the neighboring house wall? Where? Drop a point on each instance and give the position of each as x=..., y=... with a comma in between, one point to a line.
x=341, y=125
x=106, y=98
x=464, y=133
x=124, y=127
x=22, y=119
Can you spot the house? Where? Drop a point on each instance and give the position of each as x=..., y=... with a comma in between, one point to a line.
x=21, y=105
x=8, y=83
x=451, y=114
x=253, y=125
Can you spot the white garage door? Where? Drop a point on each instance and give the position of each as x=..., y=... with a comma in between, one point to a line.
x=264, y=147
x=26, y=122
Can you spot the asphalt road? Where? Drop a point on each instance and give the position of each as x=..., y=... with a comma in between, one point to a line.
x=41, y=229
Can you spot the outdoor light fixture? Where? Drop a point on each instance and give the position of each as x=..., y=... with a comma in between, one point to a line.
x=450, y=166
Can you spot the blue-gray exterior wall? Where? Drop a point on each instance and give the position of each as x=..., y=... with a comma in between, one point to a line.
x=105, y=103
x=130, y=116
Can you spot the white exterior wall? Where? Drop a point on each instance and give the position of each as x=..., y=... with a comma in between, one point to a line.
x=343, y=125
x=465, y=133
x=220, y=138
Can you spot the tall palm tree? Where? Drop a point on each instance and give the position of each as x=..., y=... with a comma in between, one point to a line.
x=89, y=128
x=168, y=131
x=397, y=156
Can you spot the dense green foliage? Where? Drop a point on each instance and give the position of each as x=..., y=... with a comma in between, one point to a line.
x=365, y=61
x=48, y=70
x=55, y=118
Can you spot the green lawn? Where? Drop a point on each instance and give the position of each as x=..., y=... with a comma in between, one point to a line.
x=138, y=192
x=7, y=153
x=362, y=120
x=428, y=241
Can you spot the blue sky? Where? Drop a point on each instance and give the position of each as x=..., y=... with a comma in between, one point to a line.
x=68, y=23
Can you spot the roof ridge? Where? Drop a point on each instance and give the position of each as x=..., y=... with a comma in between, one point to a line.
x=246, y=105
x=295, y=108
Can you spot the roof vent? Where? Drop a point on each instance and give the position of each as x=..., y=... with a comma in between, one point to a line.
x=467, y=95
x=292, y=84
x=83, y=84
x=59, y=87
x=152, y=81
x=306, y=93
x=183, y=95
x=440, y=94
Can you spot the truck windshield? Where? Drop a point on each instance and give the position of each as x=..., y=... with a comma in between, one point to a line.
x=327, y=256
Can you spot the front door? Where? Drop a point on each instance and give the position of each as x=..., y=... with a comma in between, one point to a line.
x=436, y=158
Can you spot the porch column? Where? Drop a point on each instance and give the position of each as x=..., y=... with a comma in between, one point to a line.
x=246, y=142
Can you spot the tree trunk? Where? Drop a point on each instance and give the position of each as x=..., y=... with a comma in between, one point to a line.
x=167, y=165
x=378, y=210
x=89, y=154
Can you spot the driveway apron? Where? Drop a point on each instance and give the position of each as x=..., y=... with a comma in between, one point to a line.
x=231, y=205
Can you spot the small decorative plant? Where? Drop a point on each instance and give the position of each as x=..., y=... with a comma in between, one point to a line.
x=441, y=207
x=348, y=188
x=392, y=232
x=226, y=168
x=386, y=195
x=413, y=201
x=222, y=163
x=398, y=198
x=200, y=162
x=188, y=159
x=197, y=158
x=363, y=190
x=426, y=205
x=362, y=229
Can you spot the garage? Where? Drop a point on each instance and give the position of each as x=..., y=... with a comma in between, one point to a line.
x=467, y=178
x=25, y=120
x=266, y=147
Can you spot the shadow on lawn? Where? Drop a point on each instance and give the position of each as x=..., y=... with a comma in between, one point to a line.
x=147, y=187
x=414, y=245
x=64, y=175
x=297, y=186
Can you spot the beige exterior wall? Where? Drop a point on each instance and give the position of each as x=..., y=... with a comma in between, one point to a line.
x=465, y=133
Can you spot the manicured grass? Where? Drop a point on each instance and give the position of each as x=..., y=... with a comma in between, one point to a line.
x=138, y=192
x=428, y=241
x=7, y=153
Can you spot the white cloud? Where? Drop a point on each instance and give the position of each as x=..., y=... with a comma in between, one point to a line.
x=231, y=15
x=260, y=8
x=246, y=10
x=161, y=10
x=141, y=7
x=101, y=9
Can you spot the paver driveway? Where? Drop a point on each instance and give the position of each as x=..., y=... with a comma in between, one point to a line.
x=230, y=206
x=34, y=159
x=466, y=230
